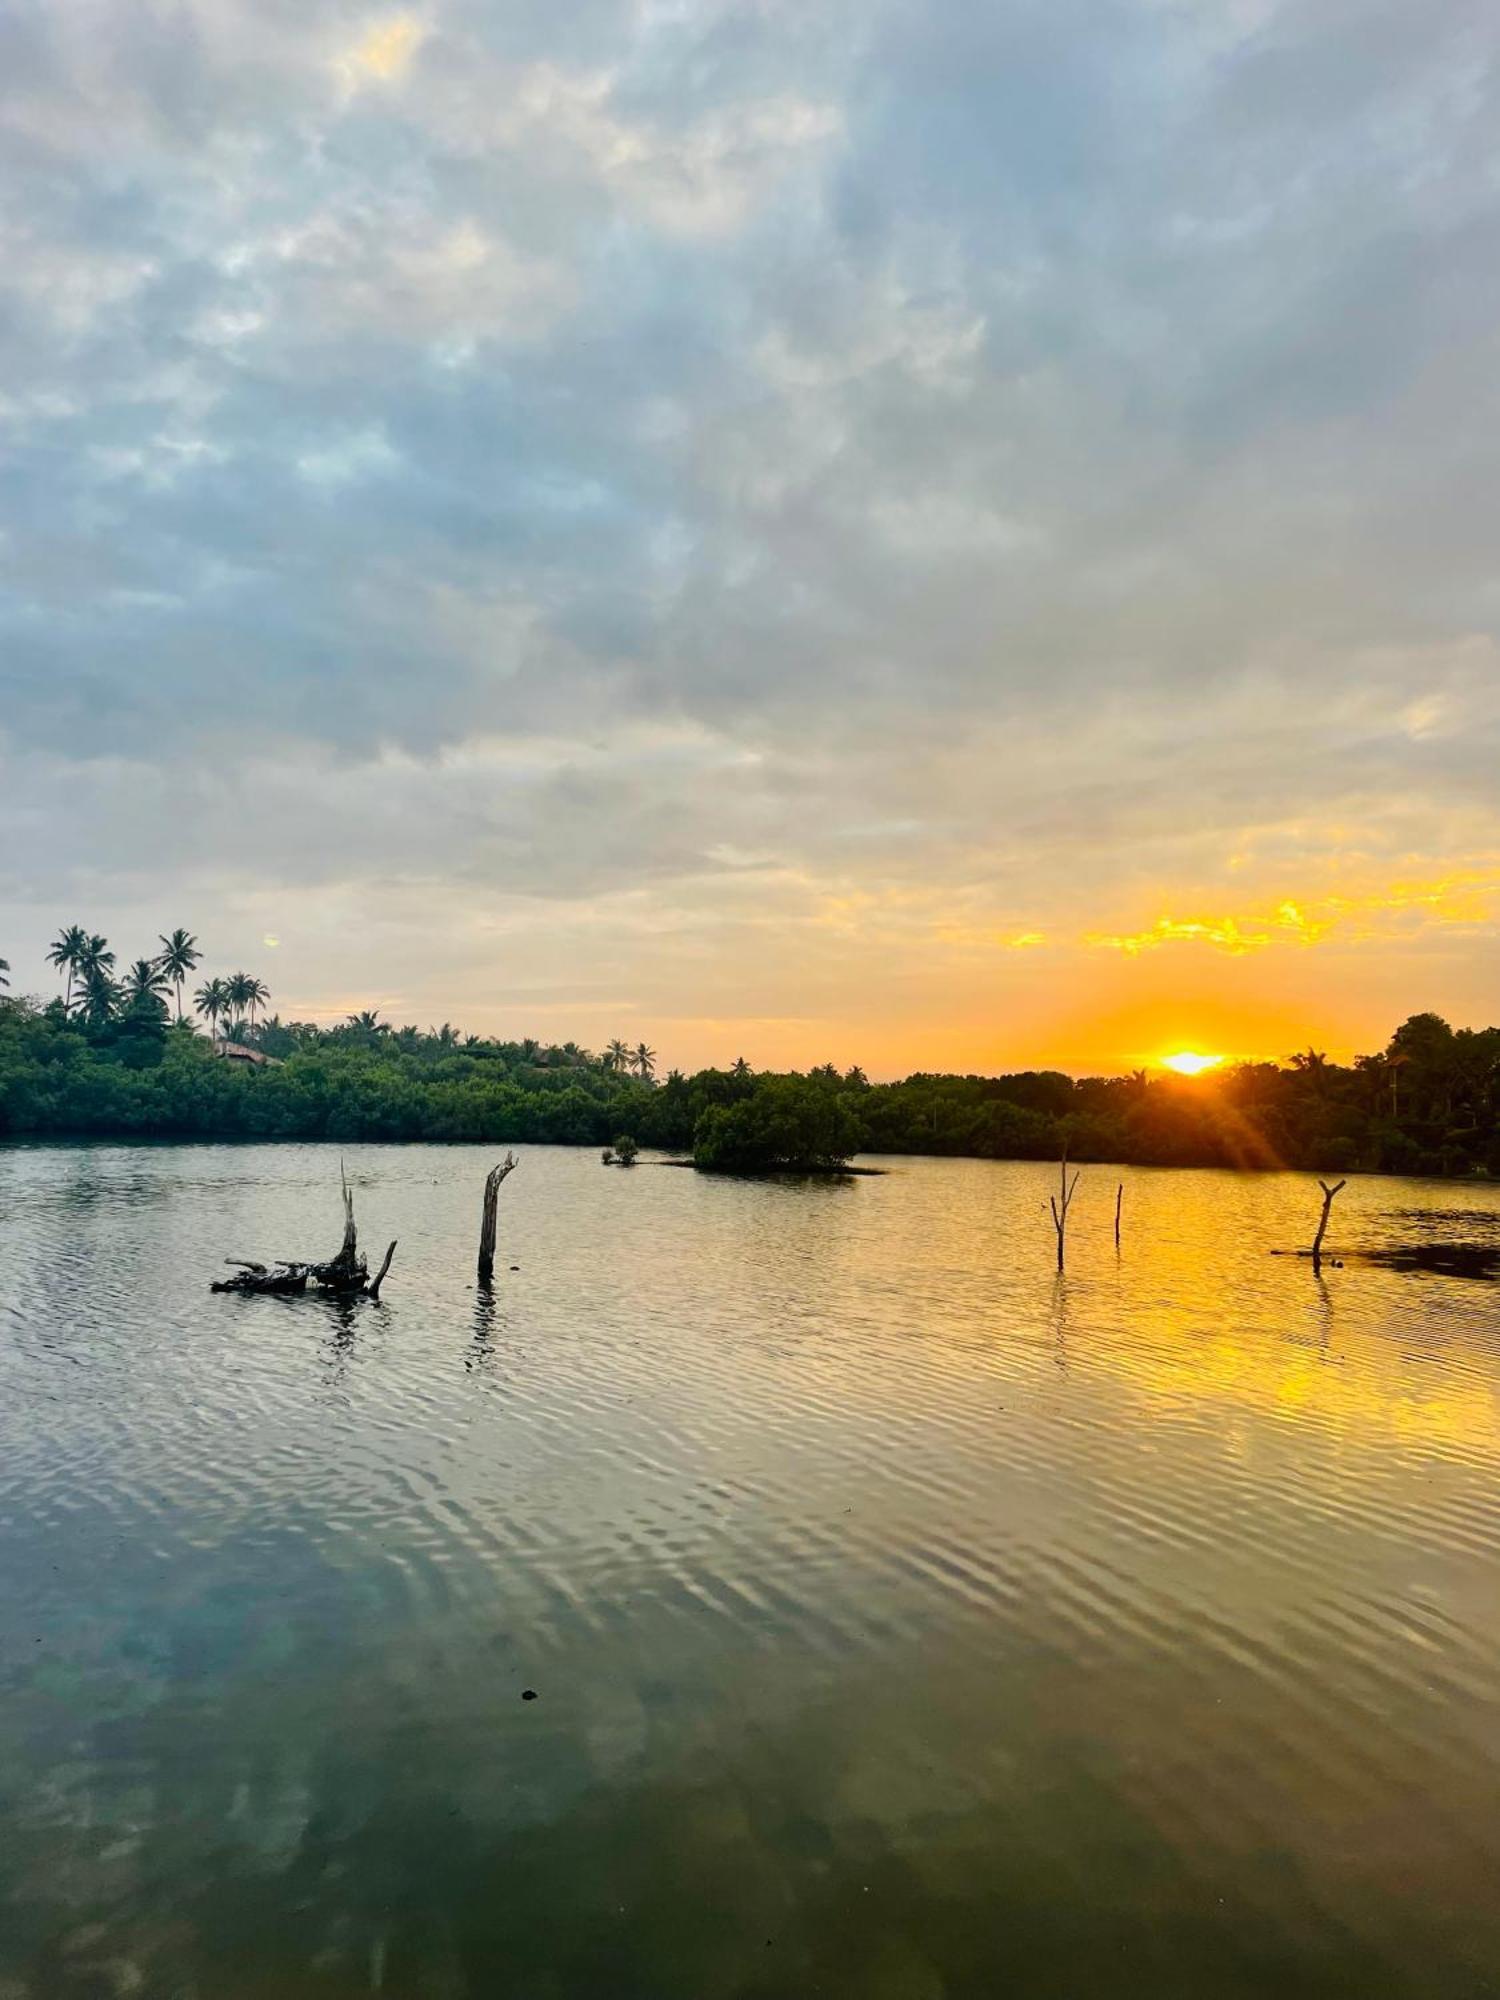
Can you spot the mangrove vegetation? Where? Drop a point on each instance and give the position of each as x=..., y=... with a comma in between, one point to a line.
x=127, y=1055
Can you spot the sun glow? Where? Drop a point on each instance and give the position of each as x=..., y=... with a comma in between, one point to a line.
x=1188, y=1062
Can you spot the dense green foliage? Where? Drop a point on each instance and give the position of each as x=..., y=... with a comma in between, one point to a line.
x=117, y=1065
x=784, y=1123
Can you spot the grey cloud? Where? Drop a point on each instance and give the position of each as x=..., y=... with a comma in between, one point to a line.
x=871, y=391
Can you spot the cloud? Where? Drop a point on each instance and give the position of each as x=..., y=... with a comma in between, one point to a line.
x=1463, y=899
x=1011, y=474
x=384, y=51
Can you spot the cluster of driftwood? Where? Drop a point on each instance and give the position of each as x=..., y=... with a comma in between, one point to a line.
x=346, y=1275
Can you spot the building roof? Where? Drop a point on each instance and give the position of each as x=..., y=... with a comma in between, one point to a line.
x=240, y=1052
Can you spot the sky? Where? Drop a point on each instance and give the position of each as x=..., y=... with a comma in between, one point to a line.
x=931, y=533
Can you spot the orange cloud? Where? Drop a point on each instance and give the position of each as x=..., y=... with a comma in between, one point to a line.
x=1465, y=898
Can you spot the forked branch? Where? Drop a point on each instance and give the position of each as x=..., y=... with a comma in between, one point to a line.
x=1328, y=1195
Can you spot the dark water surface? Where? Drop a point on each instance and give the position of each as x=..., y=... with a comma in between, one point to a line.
x=904, y=1621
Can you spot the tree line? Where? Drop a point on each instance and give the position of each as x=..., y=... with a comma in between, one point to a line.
x=93, y=993
x=110, y=1057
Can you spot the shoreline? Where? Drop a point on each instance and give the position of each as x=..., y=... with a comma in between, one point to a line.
x=21, y=1140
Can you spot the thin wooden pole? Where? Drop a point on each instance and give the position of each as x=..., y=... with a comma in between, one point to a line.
x=1061, y=1202
x=1119, y=1197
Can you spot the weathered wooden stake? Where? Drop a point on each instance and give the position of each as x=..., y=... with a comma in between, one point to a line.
x=488, y=1220
x=1119, y=1197
x=380, y=1274
x=1060, y=1212
x=1328, y=1195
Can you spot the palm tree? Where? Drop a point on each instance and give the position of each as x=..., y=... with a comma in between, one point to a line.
x=257, y=994
x=4, y=968
x=741, y=1070
x=97, y=992
x=179, y=958
x=98, y=995
x=211, y=1000
x=617, y=1056
x=1311, y=1061
x=237, y=991
x=144, y=985
x=95, y=956
x=1313, y=1064
x=369, y=1023
x=643, y=1062
x=66, y=953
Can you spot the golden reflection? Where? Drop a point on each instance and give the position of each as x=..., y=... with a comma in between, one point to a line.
x=1198, y=1325
x=1333, y=1353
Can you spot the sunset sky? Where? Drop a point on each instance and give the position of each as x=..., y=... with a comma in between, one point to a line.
x=934, y=533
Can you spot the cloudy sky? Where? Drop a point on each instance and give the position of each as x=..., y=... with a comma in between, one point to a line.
x=930, y=532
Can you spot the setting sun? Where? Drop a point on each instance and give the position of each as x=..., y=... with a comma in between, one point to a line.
x=1187, y=1062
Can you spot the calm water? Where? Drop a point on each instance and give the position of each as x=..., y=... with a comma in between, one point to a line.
x=903, y=1620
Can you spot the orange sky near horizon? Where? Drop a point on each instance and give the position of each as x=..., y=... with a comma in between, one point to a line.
x=894, y=982
x=1076, y=1005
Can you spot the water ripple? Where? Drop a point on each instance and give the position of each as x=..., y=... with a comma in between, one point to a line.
x=841, y=1539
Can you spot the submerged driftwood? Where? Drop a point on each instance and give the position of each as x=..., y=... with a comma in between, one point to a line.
x=346, y=1275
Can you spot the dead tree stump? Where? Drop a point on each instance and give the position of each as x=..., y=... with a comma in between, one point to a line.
x=489, y=1217
x=1328, y=1195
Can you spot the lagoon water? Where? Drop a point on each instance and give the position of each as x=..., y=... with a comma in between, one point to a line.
x=902, y=1620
